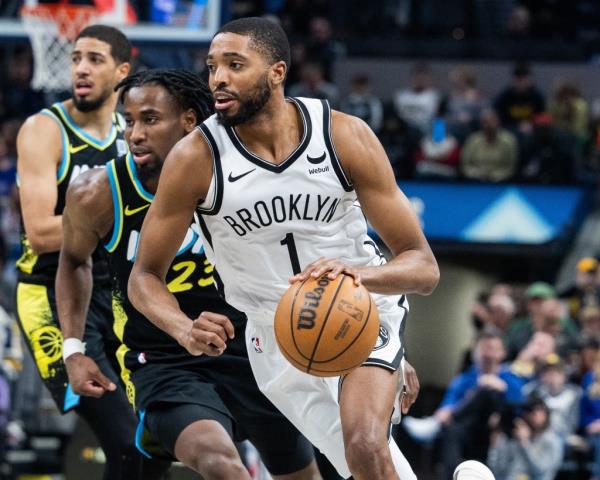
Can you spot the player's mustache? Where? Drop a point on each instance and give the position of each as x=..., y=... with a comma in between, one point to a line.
x=224, y=90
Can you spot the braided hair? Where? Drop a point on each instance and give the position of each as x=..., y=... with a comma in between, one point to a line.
x=185, y=87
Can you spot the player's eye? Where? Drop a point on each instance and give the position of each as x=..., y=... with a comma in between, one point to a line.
x=236, y=65
x=151, y=120
x=211, y=68
x=128, y=123
x=75, y=59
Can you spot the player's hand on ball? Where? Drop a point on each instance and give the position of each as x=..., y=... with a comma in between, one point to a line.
x=86, y=378
x=330, y=266
x=411, y=387
x=208, y=334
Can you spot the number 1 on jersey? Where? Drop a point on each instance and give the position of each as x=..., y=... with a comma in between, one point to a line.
x=291, y=246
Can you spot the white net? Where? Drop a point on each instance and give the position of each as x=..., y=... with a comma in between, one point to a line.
x=51, y=30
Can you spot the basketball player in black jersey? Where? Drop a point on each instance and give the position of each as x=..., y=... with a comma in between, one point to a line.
x=54, y=146
x=193, y=406
x=247, y=75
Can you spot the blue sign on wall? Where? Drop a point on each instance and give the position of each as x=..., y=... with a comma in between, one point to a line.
x=509, y=214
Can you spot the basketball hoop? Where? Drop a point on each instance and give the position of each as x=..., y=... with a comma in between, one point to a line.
x=52, y=28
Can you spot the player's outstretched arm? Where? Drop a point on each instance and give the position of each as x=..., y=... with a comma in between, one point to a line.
x=413, y=268
x=87, y=217
x=184, y=181
x=39, y=152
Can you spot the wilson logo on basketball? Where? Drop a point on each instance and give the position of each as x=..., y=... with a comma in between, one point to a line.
x=308, y=313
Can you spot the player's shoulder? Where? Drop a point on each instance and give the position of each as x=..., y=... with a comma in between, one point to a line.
x=90, y=189
x=191, y=148
x=349, y=128
x=42, y=123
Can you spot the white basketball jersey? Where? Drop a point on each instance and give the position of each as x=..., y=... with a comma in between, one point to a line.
x=263, y=222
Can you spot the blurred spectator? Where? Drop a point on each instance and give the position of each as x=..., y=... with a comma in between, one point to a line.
x=362, y=103
x=519, y=22
x=419, y=104
x=498, y=312
x=401, y=142
x=549, y=153
x=554, y=320
x=561, y=398
x=314, y=85
x=590, y=413
x=439, y=153
x=585, y=291
x=472, y=397
x=570, y=111
x=518, y=103
x=589, y=347
x=463, y=104
x=322, y=48
x=20, y=100
x=490, y=154
x=522, y=329
x=589, y=321
x=533, y=450
x=533, y=355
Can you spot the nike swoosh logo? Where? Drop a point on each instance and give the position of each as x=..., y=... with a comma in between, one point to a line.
x=132, y=211
x=232, y=179
x=316, y=160
x=73, y=149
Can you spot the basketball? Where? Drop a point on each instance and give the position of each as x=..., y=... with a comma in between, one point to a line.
x=326, y=327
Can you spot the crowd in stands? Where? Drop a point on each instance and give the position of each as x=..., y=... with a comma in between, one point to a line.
x=527, y=398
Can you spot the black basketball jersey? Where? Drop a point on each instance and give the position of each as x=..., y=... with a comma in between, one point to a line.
x=80, y=152
x=190, y=277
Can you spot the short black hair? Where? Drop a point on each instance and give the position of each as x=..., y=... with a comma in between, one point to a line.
x=185, y=87
x=120, y=48
x=266, y=36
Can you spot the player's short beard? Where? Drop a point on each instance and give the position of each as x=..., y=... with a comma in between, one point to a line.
x=253, y=104
x=84, y=105
x=149, y=172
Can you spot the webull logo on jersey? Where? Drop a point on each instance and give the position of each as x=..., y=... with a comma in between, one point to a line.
x=312, y=299
x=281, y=209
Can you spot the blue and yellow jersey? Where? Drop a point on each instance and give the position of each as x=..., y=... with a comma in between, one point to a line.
x=191, y=277
x=80, y=152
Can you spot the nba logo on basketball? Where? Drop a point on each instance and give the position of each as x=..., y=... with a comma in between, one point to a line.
x=256, y=345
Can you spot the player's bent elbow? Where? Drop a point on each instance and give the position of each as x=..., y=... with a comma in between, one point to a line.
x=40, y=244
x=431, y=280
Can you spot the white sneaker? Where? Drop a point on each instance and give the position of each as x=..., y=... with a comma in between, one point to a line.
x=472, y=470
x=422, y=429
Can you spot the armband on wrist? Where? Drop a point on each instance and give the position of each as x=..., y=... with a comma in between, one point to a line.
x=72, y=346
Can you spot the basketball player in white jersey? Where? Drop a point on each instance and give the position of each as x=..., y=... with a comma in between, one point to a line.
x=277, y=183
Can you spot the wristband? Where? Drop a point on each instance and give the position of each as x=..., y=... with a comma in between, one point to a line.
x=72, y=346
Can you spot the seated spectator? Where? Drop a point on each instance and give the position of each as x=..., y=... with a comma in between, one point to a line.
x=533, y=355
x=401, y=142
x=314, y=85
x=590, y=413
x=589, y=321
x=561, y=398
x=497, y=311
x=584, y=361
x=549, y=153
x=556, y=322
x=585, y=292
x=522, y=329
x=362, y=103
x=472, y=397
x=419, y=104
x=321, y=46
x=490, y=155
x=518, y=103
x=463, y=104
x=530, y=449
x=570, y=111
x=438, y=154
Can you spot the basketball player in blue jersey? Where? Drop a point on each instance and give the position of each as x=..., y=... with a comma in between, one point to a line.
x=192, y=406
x=277, y=182
x=54, y=146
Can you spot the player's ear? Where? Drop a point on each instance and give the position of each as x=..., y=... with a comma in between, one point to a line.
x=123, y=70
x=189, y=120
x=278, y=73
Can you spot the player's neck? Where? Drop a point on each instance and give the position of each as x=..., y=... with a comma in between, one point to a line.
x=97, y=123
x=274, y=132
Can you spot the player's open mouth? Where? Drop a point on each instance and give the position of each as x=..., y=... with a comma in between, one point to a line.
x=223, y=101
x=82, y=88
x=141, y=156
